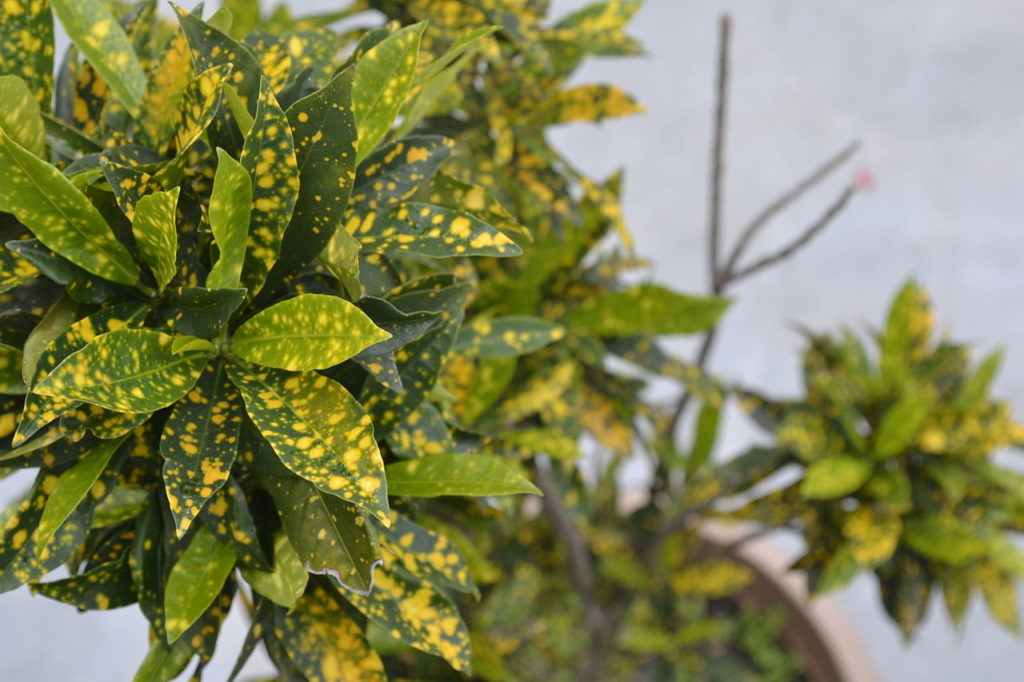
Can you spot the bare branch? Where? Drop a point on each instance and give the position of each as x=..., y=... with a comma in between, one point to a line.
x=581, y=570
x=717, y=150
x=797, y=244
x=784, y=200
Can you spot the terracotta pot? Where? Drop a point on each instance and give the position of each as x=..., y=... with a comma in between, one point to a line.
x=817, y=632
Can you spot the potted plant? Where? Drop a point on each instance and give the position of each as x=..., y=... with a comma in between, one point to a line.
x=316, y=319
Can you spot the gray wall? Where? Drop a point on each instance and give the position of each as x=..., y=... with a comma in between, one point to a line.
x=930, y=86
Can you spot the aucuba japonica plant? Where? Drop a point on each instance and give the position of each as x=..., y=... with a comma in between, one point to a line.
x=255, y=324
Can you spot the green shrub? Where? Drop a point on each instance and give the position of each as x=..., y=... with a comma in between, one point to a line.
x=295, y=313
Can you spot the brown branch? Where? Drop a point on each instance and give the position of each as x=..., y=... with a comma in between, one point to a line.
x=784, y=200
x=717, y=150
x=805, y=238
x=581, y=570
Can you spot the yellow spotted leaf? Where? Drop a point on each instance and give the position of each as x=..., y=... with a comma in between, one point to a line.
x=269, y=158
x=309, y=331
x=97, y=33
x=416, y=613
x=329, y=535
x=502, y=337
x=63, y=219
x=20, y=117
x=382, y=81
x=199, y=444
x=26, y=46
x=230, y=208
x=129, y=370
x=325, y=643
x=195, y=581
x=457, y=474
x=156, y=233
x=319, y=431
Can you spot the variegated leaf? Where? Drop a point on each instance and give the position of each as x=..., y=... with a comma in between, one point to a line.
x=309, y=331
x=129, y=370
x=194, y=581
x=323, y=127
x=63, y=219
x=382, y=81
x=325, y=642
x=500, y=337
x=425, y=554
x=199, y=443
x=157, y=234
x=457, y=474
x=417, y=614
x=269, y=158
x=230, y=208
x=26, y=46
x=427, y=230
x=395, y=172
x=329, y=535
x=21, y=119
x=95, y=31
x=319, y=431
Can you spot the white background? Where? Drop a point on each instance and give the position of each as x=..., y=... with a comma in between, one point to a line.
x=932, y=87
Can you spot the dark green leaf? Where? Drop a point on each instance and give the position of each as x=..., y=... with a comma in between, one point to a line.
x=502, y=337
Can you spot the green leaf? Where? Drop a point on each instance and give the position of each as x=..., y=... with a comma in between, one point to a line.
x=230, y=208
x=95, y=31
x=325, y=643
x=902, y=421
x=242, y=116
x=444, y=190
x=438, y=76
x=230, y=519
x=269, y=158
x=945, y=539
x=319, y=431
x=185, y=344
x=26, y=46
x=200, y=312
x=648, y=309
x=61, y=216
x=329, y=535
x=457, y=474
x=157, y=235
x=382, y=80
x=53, y=340
x=835, y=476
x=590, y=102
x=309, y=331
x=21, y=119
x=417, y=614
x=11, y=381
x=503, y=337
x=324, y=130
x=71, y=488
x=840, y=568
x=425, y=554
x=211, y=47
x=129, y=370
x=341, y=258
x=164, y=663
x=395, y=172
x=284, y=584
x=432, y=231
x=423, y=432
x=199, y=106
x=705, y=434
x=105, y=586
x=199, y=443
x=973, y=391
x=907, y=331
x=195, y=581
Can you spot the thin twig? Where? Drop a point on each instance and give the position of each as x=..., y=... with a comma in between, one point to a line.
x=783, y=201
x=581, y=570
x=717, y=150
x=798, y=243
